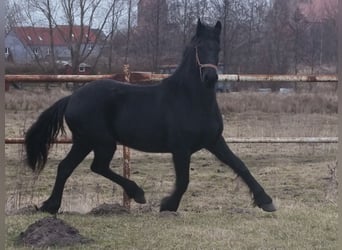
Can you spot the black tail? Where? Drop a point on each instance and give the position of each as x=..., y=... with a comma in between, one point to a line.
x=43, y=132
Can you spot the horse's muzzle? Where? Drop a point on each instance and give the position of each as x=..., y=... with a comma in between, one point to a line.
x=209, y=76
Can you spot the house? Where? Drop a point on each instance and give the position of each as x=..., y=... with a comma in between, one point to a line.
x=24, y=45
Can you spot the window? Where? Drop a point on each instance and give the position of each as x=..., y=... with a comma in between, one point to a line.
x=28, y=37
x=81, y=69
x=6, y=51
x=35, y=51
x=48, y=51
x=40, y=38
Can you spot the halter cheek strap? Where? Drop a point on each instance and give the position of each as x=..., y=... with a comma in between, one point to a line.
x=205, y=65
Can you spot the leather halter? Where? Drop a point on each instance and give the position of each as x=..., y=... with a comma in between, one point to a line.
x=205, y=65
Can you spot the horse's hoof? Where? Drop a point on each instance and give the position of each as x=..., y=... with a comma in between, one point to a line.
x=168, y=204
x=48, y=209
x=268, y=207
x=140, y=199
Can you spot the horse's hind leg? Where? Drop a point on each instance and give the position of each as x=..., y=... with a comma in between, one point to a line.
x=102, y=157
x=77, y=153
x=221, y=150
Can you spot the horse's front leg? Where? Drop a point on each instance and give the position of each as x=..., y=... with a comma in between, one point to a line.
x=181, y=161
x=221, y=150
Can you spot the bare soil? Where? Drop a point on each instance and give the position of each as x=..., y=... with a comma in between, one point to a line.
x=109, y=209
x=51, y=231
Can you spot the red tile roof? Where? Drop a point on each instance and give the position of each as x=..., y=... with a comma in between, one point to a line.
x=40, y=36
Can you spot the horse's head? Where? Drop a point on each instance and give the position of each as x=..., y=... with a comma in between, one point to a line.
x=207, y=48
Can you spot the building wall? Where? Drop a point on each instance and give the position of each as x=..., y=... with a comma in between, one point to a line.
x=21, y=54
x=18, y=52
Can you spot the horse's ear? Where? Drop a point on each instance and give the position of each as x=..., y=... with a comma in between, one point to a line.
x=199, y=22
x=199, y=27
x=218, y=26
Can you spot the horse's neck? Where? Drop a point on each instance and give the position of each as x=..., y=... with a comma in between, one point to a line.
x=186, y=81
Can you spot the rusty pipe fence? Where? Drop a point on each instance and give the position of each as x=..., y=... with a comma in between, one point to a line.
x=228, y=140
x=142, y=77
x=145, y=77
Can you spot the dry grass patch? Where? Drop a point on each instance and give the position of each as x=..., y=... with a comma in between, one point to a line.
x=216, y=212
x=306, y=103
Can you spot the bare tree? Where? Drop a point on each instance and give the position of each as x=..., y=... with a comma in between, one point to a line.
x=278, y=38
x=113, y=28
x=330, y=38
x=14, y=16
x=299, y=27
x=91, y=18
x=48, y=9
x=180, y=15
x=151, y=27
x=243, y=22
x=28, y=17
x=129, y=26
x=185, y=13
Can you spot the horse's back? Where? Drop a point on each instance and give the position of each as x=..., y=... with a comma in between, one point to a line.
x=87, y=110
x=111, y=111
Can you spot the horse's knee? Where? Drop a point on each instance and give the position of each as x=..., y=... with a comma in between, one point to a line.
x=93, y=168
x=97, y=169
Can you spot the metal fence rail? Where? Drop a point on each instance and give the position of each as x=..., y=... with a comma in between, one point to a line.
x=148, y=76
x=228, y=140
x=278, y=78
x=142, y=77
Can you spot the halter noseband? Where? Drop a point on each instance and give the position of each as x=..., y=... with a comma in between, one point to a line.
x=203, y=65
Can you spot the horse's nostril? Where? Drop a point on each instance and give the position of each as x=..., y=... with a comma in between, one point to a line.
x=210, y=78
x=206, y=78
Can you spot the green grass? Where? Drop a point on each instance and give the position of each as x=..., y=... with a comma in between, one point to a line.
x=216, y=212
x=212, y=215
x=294, y=226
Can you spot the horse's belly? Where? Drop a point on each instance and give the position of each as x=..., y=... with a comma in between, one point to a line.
x=153, y=145
x=143, y=136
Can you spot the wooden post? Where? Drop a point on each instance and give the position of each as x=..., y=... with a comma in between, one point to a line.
x=126, y=151
x=7, y=85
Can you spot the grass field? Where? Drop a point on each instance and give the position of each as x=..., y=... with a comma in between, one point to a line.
x=216, y=212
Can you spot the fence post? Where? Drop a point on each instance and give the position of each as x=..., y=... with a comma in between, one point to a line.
x=126, y=151
x=7, y=85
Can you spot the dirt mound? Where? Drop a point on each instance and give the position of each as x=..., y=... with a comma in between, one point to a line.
x=109, y=209
x=51, y=231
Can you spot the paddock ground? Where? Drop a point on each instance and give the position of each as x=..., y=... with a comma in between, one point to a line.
x=216, y=212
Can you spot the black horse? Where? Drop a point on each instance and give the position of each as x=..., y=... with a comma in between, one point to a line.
x=180, y=116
